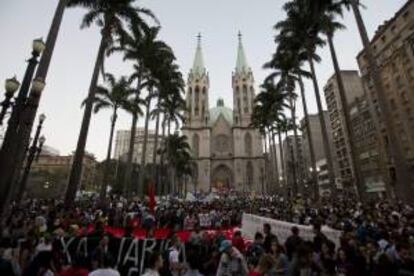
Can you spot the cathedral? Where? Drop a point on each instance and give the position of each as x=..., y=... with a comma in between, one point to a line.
x=227, y=151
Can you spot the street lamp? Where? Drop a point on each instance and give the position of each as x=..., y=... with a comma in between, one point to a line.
x=11, y=85
x=38, y=46
x=34, y=152
x=12, y=147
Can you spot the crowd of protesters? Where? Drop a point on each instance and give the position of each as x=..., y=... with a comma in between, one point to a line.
x=377, y=237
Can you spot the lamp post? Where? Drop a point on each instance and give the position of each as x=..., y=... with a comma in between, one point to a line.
x=34, y=152
x=11, y=87
x=10, y=149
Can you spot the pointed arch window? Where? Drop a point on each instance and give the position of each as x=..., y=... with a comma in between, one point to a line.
x=248, y=144
x=245, y=99
x=196, y=145
x=197, y=100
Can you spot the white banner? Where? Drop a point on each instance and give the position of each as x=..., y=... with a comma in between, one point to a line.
x=252, y=224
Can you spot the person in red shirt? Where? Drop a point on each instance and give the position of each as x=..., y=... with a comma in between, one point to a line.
x=238, y=241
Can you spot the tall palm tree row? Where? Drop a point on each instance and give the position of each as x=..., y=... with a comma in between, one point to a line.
x=178, y=154
x=170, y=103
x=307, y=21
x=110, y=16
x=268, y=114
x=156, y=73
x=295, y=33
x=287, y=61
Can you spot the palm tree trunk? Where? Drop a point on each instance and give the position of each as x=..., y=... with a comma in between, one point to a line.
x=157, y=127
x=348, y=129
x=282, y=159
x=169, y=127
x=404, y=188
x=325, y=139
x=314, y=172
x=276, y=165
x=144, y=148
x=272, y=158
x=6, y=163
x=129, y=165
x=299, y=186
x=162, y=172
x=108, y=156
x=76, y=171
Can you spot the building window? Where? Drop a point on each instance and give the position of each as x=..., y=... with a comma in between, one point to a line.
x=248, y=144
x=196, y=144
x=197, y=100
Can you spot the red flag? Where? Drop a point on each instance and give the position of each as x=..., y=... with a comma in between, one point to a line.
x=151, y=196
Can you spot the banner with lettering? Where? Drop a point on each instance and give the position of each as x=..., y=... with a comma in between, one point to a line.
x=129, y=254
x=282, y=229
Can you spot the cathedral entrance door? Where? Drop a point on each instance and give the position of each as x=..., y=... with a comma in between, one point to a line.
x=222, y=178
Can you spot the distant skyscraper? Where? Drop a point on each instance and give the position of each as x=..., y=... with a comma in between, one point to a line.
x=341, y=150
x=122, y=145
x=317, y=140
x=372, y=159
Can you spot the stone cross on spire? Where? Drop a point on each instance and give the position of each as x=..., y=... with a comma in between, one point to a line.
x=198, y=65
x=241, y=63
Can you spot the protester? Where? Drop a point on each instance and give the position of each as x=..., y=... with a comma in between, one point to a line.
x=255, y=250
x=77, y=268
x=155, y=263
x=106, y=268
x=268, y=238
x=292, y=242
x=377, y=238
x=232, y=261
x=175, y=266
x=281, y=260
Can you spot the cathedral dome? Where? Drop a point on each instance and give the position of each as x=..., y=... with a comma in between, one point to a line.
x=220, y=109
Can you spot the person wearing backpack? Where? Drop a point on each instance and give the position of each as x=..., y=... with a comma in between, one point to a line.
x=232, y=261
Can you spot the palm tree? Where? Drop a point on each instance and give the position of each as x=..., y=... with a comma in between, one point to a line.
x=178, y=154
x=132, y=106
x=289, y=57
x=325, y=22
x=158, y=56
x=171, y=81
x=297, y=28
x=136, y=47
x=113, y=98
x=269, y=105
x=110, y=15
x=283, y=69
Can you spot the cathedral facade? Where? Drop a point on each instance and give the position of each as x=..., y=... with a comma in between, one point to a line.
x=227, y=151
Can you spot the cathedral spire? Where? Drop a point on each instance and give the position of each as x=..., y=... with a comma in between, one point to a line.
x=241, y=64
x=198, y=65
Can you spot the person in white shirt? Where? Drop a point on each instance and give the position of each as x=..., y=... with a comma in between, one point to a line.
x=173, y=257
x=155, y=263
x=106, y=269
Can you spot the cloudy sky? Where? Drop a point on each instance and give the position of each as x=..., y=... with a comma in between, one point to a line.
x=219, y=22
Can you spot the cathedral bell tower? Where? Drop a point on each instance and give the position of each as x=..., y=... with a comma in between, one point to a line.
x=243, y=91
x=197, y=91
x=196, y=126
